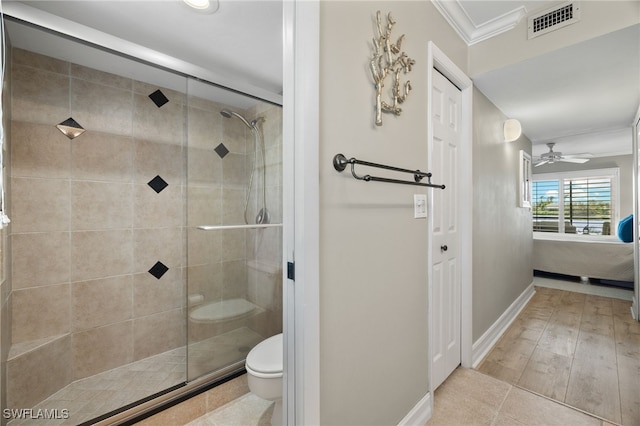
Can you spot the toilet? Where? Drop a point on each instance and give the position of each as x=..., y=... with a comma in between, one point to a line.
x=264, y=373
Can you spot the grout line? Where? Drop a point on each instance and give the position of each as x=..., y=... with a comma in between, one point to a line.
x=572, y=360
x=499, y=409
x=615, y=345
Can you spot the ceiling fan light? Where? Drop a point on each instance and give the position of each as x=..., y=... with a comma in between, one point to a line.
x=203, y=6
x=512, y=130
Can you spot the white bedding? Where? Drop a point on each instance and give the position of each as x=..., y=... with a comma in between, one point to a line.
x=593, y=256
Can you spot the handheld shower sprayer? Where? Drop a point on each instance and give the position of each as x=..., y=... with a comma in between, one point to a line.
x=263, y=216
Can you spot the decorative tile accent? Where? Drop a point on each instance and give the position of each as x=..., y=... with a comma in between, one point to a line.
x=158, y=98
x=70, y=128
x=157, y=184
x=221, y=150
x=158, y=270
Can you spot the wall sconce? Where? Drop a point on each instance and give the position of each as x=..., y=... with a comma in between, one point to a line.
x=203, y=6
x=512, y=130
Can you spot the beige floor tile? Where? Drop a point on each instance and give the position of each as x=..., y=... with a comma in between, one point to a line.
x=504, y=420
x=531, y=322
x=598, y=305
x=596, y=347
x=559, y=339
x=568, y=318
x=530, y=330
x=621, y=307
x=629, y=377
x=627, y=336
x=476, y=385
x=248, y=410
x=532, y=409
x=541, y=309
x=448, y=410
x=595, y=323
x=547, y=373
x=512, y=352
x=593, y=387
x=570, y=297
x=494, y=369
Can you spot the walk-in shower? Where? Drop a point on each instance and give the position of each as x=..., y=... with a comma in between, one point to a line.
x=135, y=272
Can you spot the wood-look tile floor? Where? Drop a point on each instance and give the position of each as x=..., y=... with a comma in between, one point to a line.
x=581, y=350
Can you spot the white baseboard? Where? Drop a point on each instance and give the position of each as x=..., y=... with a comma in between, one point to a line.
x=483, y=345
x=420, y=414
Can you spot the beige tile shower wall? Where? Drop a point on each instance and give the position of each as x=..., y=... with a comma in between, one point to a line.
x=86, y=227
x=268, y=245
x=264, y=247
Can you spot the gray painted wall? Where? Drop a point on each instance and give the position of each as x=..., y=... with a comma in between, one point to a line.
x=502, y=236
x=373, y=279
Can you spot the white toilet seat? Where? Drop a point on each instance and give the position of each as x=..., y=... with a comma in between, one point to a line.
x=265, y=360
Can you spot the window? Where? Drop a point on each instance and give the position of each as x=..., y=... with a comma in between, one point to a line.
x=583, y=202
x=524, y=186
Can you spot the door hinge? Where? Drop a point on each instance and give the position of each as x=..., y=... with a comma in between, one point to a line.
x=291, y=271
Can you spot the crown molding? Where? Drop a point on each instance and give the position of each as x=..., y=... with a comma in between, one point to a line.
x=471, y=33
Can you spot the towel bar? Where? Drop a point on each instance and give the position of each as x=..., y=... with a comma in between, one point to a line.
x=340, y=163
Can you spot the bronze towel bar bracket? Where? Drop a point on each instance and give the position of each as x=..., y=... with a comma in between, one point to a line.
x=340, y=163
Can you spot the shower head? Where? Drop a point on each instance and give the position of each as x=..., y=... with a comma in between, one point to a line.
x=227, y=113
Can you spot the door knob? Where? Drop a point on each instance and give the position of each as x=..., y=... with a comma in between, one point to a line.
x=443, y=248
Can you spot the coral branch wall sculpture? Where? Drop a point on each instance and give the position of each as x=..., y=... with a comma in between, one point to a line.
x=388, y=59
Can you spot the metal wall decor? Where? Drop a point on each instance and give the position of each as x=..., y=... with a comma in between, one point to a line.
x=389, y=59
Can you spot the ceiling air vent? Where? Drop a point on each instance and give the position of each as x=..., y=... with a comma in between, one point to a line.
x=553, y=19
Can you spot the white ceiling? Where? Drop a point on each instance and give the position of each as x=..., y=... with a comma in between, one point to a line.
x=582, y=97
x=574, y=94
x=476, y=20
x=582, y=103
x=240, y=43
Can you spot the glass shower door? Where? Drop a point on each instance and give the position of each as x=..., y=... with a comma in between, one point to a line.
x=234, y=231
x=98, y=217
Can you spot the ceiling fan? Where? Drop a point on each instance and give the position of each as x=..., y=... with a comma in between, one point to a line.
x=553, y=156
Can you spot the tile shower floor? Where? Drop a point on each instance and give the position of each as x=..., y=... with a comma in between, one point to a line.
x=94, y=396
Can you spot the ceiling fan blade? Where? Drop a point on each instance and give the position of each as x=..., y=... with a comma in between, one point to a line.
x=573, y=160
x=581, y=155
x=541, y=163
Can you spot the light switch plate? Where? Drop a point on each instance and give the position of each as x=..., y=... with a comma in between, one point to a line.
x=419, y=206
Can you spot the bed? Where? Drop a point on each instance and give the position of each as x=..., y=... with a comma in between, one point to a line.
x=594, y=256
